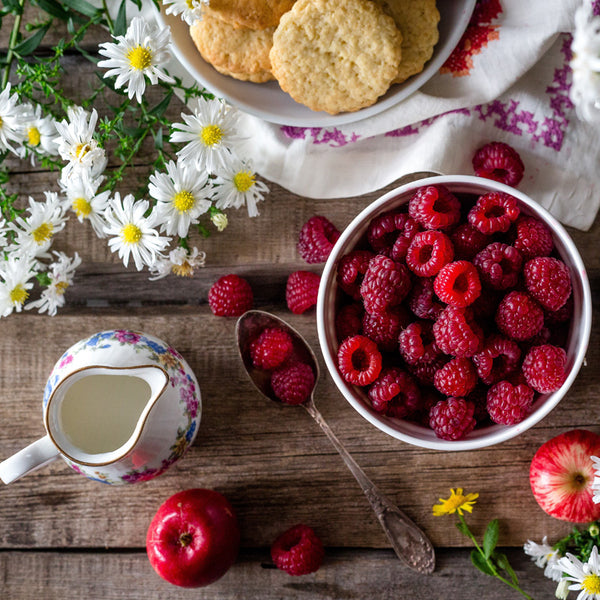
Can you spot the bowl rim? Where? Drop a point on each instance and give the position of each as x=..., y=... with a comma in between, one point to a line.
x=493, y=434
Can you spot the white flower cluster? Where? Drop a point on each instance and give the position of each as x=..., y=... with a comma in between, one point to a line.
x=208, y=177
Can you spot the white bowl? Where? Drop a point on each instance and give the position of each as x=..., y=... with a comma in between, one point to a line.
x=269, y=102
x=414, y=433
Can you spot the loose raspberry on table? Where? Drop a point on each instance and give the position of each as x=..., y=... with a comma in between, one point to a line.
x=386, y=283
x=298, y=551
x=533, y=237
x=317, y=238
x=417, y=344
x=499, y=358
x=508, y=404
x=351, y=270
x=544, y=368
x=348, y=320
x=456, y=378
x=499, y=265
x=452, y=419
x=301, y=291
x=468, y=241
x=457, y=333
x=271, y=348
x=391, y=234
x=494, y=212
x=230, y=296
x=548, y=280
x=395, y=393
x=423, y=301
x=519, y=316
x=458, y=283
x=384, y=328
x=293, y=383
x=359, y=360
x=434, y=207
x=500, y=162
x=428, y=252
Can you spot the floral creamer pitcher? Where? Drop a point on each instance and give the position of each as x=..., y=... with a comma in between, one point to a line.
x=119, y=407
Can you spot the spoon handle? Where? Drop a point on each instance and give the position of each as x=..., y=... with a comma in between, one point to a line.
x=410, y=543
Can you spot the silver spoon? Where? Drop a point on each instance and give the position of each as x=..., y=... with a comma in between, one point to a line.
x=410, y=543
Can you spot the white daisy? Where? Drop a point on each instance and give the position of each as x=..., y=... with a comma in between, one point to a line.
x=585, y=89
x=76, y=143
x=180, y=262
x=83, y=199
x=60, y=273
x=183, y=194
x=220, y=221
x=4, y=229
x=34, y=233
x=39, y=132
x=15, y=275
x=210, y=133
x=140, y=53
x=133, y=233
x=11, y=120
x=562, y=589
x=190, y=10
x=545, y=557
x=236, y=185
x=585, y=577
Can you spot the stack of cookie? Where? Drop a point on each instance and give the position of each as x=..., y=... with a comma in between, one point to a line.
x=330, y=55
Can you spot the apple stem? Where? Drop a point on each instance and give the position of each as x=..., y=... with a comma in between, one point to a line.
x=185, y=539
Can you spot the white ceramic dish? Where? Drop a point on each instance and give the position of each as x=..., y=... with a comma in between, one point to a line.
x=411, y=432
x=269, y=102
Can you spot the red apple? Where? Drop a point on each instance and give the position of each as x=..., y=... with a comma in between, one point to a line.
x=562, y=473
x=193, y=538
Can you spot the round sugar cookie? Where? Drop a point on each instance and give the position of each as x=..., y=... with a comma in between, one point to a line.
x=336, y=55
x=254, y=14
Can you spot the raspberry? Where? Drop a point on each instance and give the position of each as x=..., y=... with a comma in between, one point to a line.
x=533, y=238
x=456, y=378
x=425, y=372
x=544, y=368
x=458, y=283
x=385, y=285
x=519, y=316
x=348, y=321
x=230, y=296
x=468, y=241
x=298, y=551
x=428, y=252
x=301, y=291
x=417, y=344
x=452, y=419
x=317, y=238
x=500, y=162
x=434, y=207
x=493, y=212
x=351, y=270
x=479, y=398
x=391, y=234
x=293, y=383
x=484, y=308
x=384, y=328
x=499, y=265
x=548, y=280
x=508, y=404
x=395, y=393
x=270, y=349
x=456, y=332
x=359, y=360
x=562, y=315
x=499, y=358
x=423, y=301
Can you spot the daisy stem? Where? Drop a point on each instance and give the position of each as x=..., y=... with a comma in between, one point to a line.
x=14, y=35
x=109, y=21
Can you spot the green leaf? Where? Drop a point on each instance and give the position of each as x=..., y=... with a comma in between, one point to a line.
x=29, y=45
x=481, y=563
x=490, y=538
x=160, y=108
x=121, y=20
x=52, y=7
x=158, y=139
x=82, y=6
x=463, y=528
x=502, y=562
x=43, y=279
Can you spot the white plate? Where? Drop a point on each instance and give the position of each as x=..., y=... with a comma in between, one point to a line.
x=269, y=102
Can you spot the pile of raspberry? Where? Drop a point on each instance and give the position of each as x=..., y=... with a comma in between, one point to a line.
x=454, y=312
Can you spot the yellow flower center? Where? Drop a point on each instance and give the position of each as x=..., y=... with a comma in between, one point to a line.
x=211, y=135
x=42, y=233
x=81, y=150
x=33, y=136
x=61, y=287
x=131, y=234
x=190, y=4
x=1, y=122
x=183, y=201
x=18, y=294
x=82, y=207
x=184, y=270
x=591, y=584
x=140, y=57
x=243, y=181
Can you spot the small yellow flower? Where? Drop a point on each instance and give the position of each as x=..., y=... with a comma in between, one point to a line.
x=456, y=503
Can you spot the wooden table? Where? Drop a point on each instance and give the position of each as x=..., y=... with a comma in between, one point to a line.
x=63, y=536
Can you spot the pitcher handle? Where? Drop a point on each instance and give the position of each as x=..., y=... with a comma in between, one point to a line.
x=34, y=456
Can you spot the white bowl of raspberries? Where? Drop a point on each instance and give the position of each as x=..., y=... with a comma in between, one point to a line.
x=454, y=312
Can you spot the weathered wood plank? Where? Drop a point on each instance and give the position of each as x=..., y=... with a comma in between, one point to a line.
x=345, y=575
